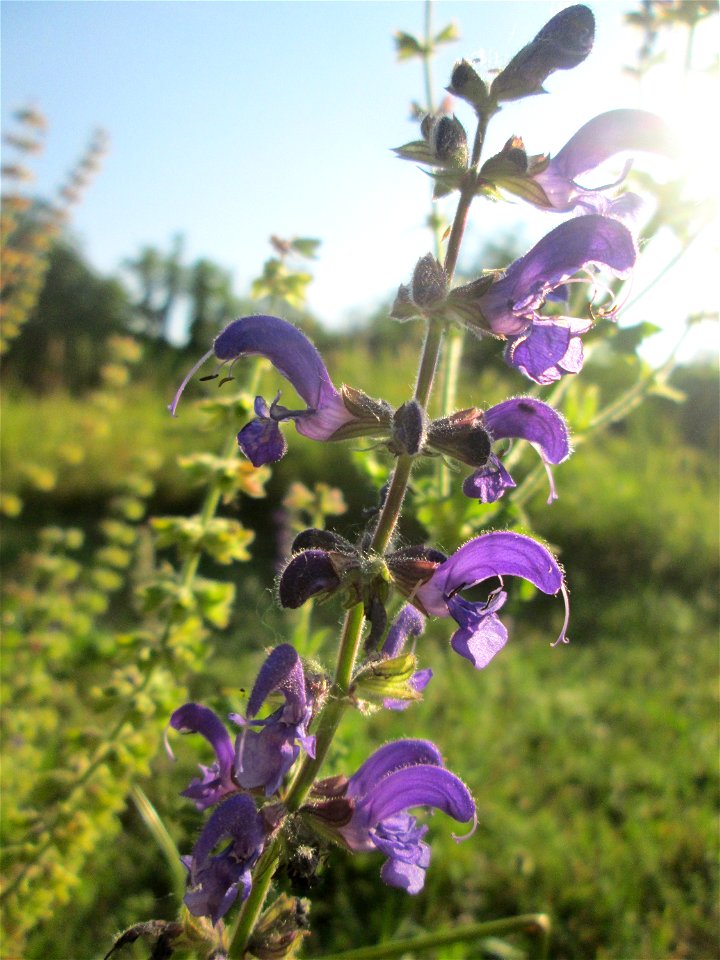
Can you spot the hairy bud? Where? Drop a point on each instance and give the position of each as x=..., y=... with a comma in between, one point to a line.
x=467, y=84
x=564, y=42
x=429, y=282
x=449, y=142
x=409, y=429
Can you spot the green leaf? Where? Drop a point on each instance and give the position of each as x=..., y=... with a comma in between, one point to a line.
x=215, y=599
x=448, y=34
x=419, y=151
x=306, y=246
x=526, y=188
x=408, y=46
x=581, y=405
x=628, y=339
x=446, y=182
x=387, y=678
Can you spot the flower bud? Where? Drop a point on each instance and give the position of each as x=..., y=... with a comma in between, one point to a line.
x=461, y=436
x=466, y=84
x=429, y=282
x=409, y=429
x=449, y=142
x=512, y=161
x=280, y=929
x=564, y=42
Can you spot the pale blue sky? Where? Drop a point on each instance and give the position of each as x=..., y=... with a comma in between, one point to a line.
x=230, y=121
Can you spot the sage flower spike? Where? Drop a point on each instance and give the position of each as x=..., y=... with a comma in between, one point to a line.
x=546, y=348
x=296, y=359
x=481, y=634
x=523, y=418
x=214, y=882
x=601, y=138
x=397, y=777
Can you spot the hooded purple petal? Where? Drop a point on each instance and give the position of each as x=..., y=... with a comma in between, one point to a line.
x=296, y=359
x=594, y=143
x=217, y=780
x=525, y=418
x=214, y=882
x=511, y=303
x=398, y=776
x=499, y=554
x=419, y=786
x=286, y=347
x=282, y=670
x=393, y=756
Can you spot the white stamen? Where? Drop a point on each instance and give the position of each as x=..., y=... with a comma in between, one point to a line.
x=458, y=838
x=553, y=493
x=563, y=638
x=172, y=407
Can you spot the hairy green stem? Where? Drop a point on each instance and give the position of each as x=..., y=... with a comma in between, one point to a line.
x=532, y=924
x=451, y=374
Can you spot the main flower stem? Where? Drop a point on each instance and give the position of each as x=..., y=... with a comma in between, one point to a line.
x=337, y=702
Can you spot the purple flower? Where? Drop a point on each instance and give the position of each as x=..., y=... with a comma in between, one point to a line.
x=262, y=759
x=296, y=359
x=522, y=418
x=397, y=777
x=546, y=348
x=408, y=623
x=594, y=143
x=216, y=781
x=214, y=882
x=257, y=759
x=481, y=634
